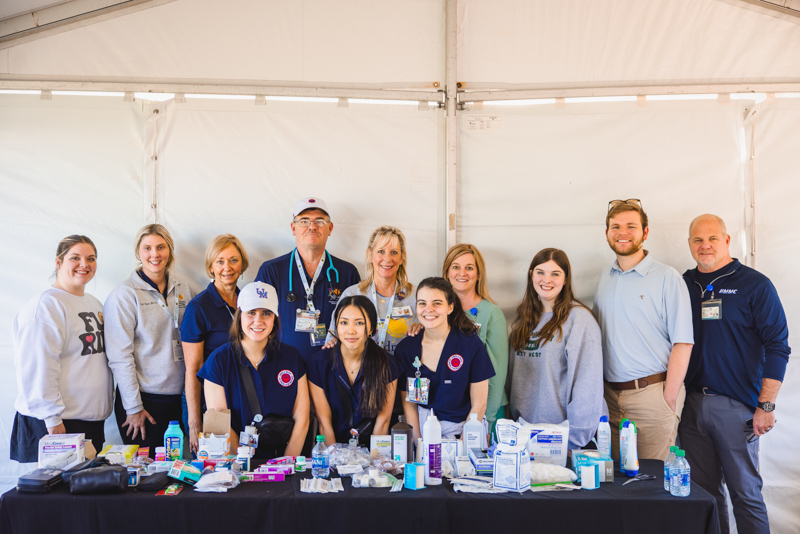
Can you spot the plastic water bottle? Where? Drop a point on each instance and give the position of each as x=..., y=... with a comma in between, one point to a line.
x=320, y=459
x=173, y=441
x=668, y=464
x=432, y=439
x=472, y=433
x=604, y=437
x=680, y=476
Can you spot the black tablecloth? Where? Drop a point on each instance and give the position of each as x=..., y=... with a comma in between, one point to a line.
x=639, y=507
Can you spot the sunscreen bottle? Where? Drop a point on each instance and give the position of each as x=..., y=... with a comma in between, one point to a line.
x=629, y=457
x=604, y=437
x=472, y=433
x=432, y=440
x=173, y=441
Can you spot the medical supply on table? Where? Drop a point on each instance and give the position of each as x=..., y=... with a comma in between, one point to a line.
x=550, y=474
x=463, y=467
x=386, y=465
x=475, y=484
x=628, y=453
x=473, y=434
x=420, y=457
x=604, y=436
x=158, y=467
x=61, y=451
x=380, y=445
x=548, y=443
x=432, y=439
x=590, y=476
x=215, y=439
x=481, y=461
x=285, y=470
x=320, y=485
x=119, y=454
x=39, y=481
x=451, y=449
x=256, y=476
x=282, y=460
x=173, y=441
x=637, y=478
x=680, y=476
x=670, y=458
x=586, y=457
x=161, y=454
x=300, y=464
x=511, y=459
x=414, y=476
x=217, y=482
x=402, y=441
x=320, y=459
x=184, y=472
x=243, y=456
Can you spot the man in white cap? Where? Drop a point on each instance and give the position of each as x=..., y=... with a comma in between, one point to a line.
x=309, y=280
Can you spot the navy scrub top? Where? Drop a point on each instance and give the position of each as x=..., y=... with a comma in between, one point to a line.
x=207, y=319
x=275, y=381
x=323, y=373
x=326, y=294
x=464, y=361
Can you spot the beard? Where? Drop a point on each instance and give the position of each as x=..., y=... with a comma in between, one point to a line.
x=635, y=246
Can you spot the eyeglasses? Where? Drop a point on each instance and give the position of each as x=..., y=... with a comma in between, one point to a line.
x=305, y=223
x=632, y=201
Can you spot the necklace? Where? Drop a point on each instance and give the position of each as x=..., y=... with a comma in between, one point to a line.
x=351, y=369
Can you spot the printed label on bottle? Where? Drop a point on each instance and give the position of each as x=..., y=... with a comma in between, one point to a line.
x=319, y=462
x=400, y=448
x=173, y=446
x=473, y=440
x=435, y=461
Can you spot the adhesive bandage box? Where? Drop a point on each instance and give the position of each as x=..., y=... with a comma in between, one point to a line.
x=61, y=451
x=119, y=454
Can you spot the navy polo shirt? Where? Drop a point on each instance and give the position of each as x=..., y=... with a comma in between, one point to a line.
x=275, y=381
x=207, y=320
x=326, y=294
x=325, y=370
x=464, y=361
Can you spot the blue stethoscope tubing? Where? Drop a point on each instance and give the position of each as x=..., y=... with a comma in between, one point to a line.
x=327, y=271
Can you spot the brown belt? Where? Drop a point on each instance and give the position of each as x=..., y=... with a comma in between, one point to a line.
x=642, y=382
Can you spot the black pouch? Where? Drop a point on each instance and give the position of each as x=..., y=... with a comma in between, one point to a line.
x=274, y=432
x=39, y=481
x=104, y=479
x=153, y=482
x=86, y=464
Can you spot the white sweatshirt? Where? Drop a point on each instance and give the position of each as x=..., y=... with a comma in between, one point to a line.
x=143, y=341
x=59, y=352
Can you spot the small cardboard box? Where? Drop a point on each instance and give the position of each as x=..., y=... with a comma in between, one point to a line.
x=215, y=440
x=380, y=445
x=588, y=457
x=61, y=451
x=119, y=454
x=184, y=472
x=480, y=459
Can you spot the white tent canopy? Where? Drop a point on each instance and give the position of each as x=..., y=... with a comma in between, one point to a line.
x=509, y=179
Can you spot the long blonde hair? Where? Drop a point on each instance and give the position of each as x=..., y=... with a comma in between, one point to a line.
x=455, y=252
x=387, y=233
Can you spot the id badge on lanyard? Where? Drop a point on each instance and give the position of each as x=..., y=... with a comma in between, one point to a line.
x=306, y=320
x=418, y=388
x=711, y=310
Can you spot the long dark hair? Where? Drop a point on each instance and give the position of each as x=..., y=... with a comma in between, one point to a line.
x=375, y=365
x=530, y=310
x=457, y=319
x=237, y=334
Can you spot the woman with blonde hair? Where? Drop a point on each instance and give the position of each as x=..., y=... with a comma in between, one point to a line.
x=465, y=269
x=143, y=316
x=207, y=322
x=557, y=360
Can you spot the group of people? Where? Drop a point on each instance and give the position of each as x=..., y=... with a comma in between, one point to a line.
x=310, y=343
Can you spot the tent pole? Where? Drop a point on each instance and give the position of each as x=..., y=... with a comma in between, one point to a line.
x=451, y=125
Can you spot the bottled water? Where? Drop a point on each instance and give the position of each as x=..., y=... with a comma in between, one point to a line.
x=320, y=459
x=667, y=464
x=680, y=476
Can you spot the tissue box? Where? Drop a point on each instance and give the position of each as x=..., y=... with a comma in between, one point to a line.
x=589, y=457
x=119, y=454
x=512, y=468
x=414, y=476
x=61, y=451
x=380, y=445
x=214, y=445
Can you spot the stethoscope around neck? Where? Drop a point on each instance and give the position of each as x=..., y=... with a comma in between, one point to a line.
x=291, y=297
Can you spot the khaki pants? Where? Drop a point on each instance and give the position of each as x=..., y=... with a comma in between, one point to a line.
x=656, y=424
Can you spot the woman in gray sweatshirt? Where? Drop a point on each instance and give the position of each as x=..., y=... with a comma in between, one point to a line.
x=556, y=360
x=143, y=315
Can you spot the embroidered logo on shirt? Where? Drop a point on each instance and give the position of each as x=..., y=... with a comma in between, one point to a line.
x=455, y=362
x=285, y=378
x=334, y=294
x=728, y=291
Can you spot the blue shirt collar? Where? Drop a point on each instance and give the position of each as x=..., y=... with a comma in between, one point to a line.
x=641, y=268
x=153, y=284
x=216, y=298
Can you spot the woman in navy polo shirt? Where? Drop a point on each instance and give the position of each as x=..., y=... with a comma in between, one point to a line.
x=453, y=358
x=277, y=372
x=353, y=384
x=207, y=322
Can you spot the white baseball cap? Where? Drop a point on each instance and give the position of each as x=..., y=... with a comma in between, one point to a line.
x=310, y=203
x=258, y=295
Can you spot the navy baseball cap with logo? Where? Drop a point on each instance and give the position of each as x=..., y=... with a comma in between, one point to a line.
x=310, y=203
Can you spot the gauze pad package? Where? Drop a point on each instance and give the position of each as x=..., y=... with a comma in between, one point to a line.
x=547, y=443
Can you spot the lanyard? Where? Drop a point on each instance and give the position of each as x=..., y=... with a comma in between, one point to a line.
x=309, y=288
x=710, y=287
x=385, y=326
x=166, y=308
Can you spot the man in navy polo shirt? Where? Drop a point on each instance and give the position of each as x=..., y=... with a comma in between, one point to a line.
x=309, y=280
x=737, y=366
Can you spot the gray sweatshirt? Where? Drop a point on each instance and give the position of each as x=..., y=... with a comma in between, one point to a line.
x=562, y=379
x=143, y=341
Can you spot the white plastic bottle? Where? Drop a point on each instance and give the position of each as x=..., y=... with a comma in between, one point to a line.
x=629, y=457
x=680, y=476
x=667, y=464
x=472, y=433
x=320, y=460
x=432, y=440
x=604, y=437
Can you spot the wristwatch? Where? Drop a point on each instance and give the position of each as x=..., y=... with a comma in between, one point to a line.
x=766, y=406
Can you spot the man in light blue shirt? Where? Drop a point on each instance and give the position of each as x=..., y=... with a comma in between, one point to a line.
x=645, y=316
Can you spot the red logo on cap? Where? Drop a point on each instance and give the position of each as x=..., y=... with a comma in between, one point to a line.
x=455, y=362
x=285, y=378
